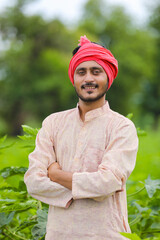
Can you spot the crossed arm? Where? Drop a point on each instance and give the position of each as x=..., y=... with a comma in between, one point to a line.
x=57, y=187
x=56, y=174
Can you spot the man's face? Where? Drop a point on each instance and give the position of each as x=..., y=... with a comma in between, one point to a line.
x=90, y=81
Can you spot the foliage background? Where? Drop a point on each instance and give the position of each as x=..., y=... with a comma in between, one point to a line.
x=34, y=83
x=34, y=63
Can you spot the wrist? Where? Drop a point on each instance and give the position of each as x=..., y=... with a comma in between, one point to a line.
x=53, y=174
x=56, y=175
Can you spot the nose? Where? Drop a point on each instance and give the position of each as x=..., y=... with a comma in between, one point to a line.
x=88, y=77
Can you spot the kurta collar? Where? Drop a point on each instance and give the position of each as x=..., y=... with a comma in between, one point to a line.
x=94, y=113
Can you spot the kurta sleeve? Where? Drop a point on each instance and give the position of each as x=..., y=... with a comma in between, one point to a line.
x=36, y=178
x=117, y=164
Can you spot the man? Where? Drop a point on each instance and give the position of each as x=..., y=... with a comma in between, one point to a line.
x=83, y=156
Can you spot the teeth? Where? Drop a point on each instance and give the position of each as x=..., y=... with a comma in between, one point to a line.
x=90, y=87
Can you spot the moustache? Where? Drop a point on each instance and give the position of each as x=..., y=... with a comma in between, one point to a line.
x=89, y=85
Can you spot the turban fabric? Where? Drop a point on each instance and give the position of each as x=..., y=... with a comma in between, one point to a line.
x=89, y=51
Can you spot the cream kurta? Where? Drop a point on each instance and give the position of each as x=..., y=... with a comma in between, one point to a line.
x=101, y=151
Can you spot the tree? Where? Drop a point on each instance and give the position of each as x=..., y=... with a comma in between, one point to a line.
x=132, y=46
x=33, y=68
x=150, y=93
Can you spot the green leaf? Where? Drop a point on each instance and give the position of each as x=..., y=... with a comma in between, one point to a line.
x=12, y=194
x=7, y=201
x=29, y=146
x=141, y=209
x=10, y=171
x=22, y=186
x=6, y=146
x=141, y=132
x=155, y=225
x=30, y=130
x=39, y=230
x=3, y=185
x=129, y=116
x=152, y=186
x=19, y=206
x=136, y=219
x=27, y=137
x=5, y=219
x=2, y=139
x=25, y=224
x=42, y=216
x=131, y=236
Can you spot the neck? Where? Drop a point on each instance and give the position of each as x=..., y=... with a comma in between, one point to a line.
x=85, y=107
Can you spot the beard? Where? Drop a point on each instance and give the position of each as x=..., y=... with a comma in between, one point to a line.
x=90, y=98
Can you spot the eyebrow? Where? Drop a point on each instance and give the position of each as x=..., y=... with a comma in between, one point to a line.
x=91, y=68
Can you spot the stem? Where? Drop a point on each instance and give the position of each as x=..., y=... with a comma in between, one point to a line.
x=25, y=226
x=39, y=205
x=155, y=231
x=134, y=221
x=132, y=194
x=15, y=234
x=7, y=235
x=33, y=217
x=42, y=237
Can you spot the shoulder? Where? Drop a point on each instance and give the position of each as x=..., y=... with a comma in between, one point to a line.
x=118, y=120
x=58, y=116
x=122, y=128
x=52, y=123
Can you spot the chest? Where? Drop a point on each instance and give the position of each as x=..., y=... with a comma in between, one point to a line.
x=81, y=147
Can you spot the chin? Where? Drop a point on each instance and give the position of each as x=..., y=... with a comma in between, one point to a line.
x=91, y=99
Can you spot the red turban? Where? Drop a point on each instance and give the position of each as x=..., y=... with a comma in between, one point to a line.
x=89, y=51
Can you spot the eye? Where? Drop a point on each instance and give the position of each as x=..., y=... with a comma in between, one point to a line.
x=96, y=71
x=81, y=72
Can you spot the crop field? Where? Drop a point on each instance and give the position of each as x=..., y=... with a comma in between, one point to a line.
x=22, y=217
x=35, y=53
x=148, y=157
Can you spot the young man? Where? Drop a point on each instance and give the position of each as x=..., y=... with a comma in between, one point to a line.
x=83, y=156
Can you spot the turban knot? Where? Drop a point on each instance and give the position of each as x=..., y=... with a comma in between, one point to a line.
x=89, y=51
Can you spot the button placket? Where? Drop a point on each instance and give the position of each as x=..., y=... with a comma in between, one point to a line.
x=81, y=138
x=77, y=159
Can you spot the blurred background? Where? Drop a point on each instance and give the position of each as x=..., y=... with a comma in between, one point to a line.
x=37, y=38
x=36, y=43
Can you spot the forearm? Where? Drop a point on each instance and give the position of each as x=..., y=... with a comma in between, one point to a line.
x=62, y=177
x=45, y=190
x=95, y=185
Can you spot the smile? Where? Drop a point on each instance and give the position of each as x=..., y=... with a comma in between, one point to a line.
x=89, y=87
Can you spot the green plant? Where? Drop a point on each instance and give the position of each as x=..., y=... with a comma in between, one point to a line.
x=143, y=208
x=22, y=217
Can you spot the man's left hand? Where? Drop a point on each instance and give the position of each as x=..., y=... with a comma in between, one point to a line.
x=56, y=174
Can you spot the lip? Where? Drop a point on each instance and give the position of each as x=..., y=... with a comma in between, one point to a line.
x=89, y=87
